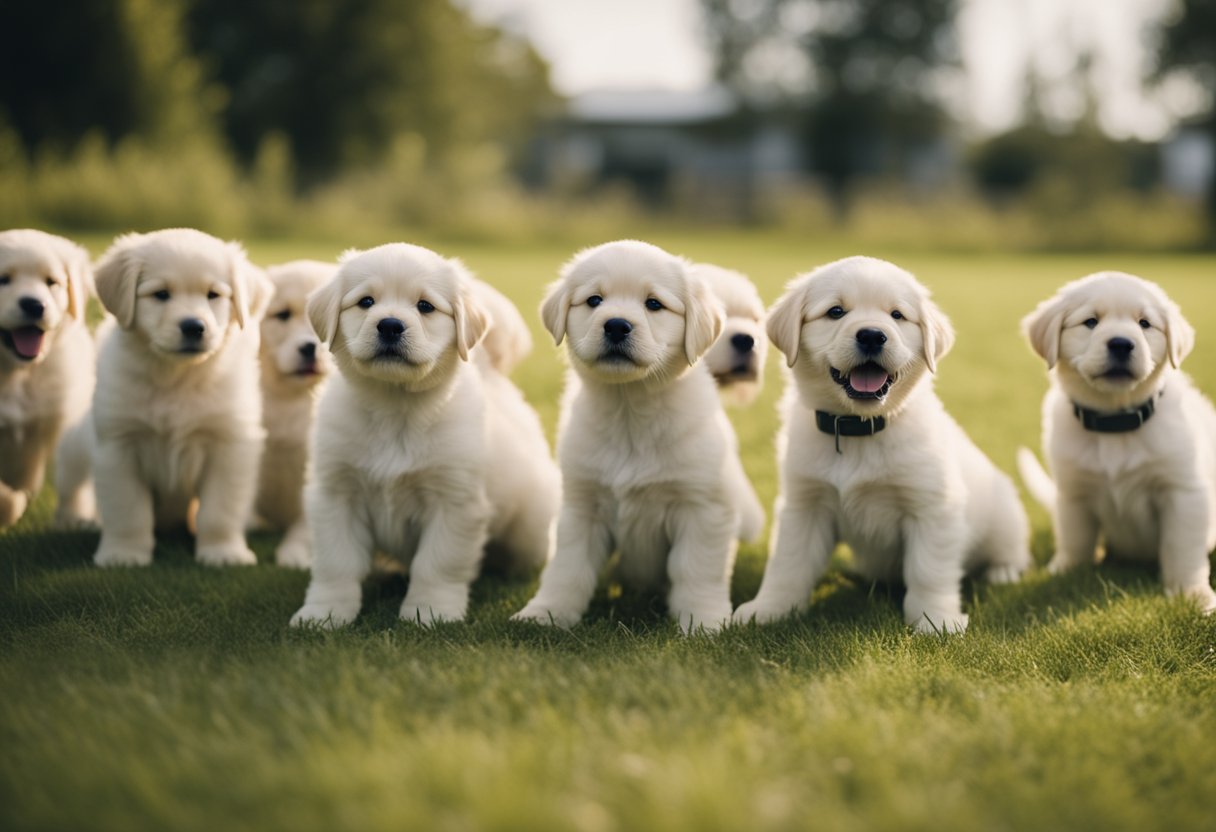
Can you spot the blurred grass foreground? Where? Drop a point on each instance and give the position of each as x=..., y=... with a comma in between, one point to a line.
x=375, y=120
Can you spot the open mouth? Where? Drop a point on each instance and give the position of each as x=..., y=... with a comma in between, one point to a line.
x=865, y=381
x=25, y=341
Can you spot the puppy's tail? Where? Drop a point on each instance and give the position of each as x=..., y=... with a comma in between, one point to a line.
x=1037, y=481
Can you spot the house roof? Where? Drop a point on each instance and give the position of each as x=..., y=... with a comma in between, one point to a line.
x=651, y=106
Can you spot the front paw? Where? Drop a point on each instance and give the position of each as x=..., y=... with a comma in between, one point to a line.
x=324, y=615
x=225, y=554
x=1003, y=574
x=1060, y=564
x=12, y=505
x=426, y=613
x=702, y=621
x=760, y=613
x=937, y=621
x=541, y=614
x=293, y=554
x=113, y=555
x=1202, y=595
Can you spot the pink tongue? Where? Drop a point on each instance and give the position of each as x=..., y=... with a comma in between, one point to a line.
x=27, y=341
x=867, y=378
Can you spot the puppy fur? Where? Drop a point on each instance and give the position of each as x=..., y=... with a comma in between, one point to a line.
x=736, y=360
x=293, y=364
x=649, y=461
x=419, y=452
x=177, y=417
x=917, y=501
x=507, y=340
x=1113, y=341
x=46, y=359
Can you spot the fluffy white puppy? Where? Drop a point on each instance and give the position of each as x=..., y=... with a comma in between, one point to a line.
x=507, y=340
x=649, y=461
x=46, y=358
x=177, y=417
x=1129, y=438
x=736, y=359
x=869, y=456
x=294, y=363
x=418, y=452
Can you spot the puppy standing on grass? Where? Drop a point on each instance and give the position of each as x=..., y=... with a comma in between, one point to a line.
x=870, y=457
x=177, y=415
x=294, y=363
x=649, y=461
x=419, y=452
x=1130, y=440
x=46, y=358
x=736, y=360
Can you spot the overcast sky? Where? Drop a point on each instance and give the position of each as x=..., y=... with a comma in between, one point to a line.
x=595, y=44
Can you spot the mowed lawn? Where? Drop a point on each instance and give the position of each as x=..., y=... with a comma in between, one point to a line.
x=176, y=697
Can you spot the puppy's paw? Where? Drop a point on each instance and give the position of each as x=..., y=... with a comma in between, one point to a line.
x=114, y=555
x=12, y=505
x=999, y=573
x=426, y=614
x=702, y=621
x=1202, y=595
x=225, y=554
x=540, y=614
x=938, y=621
x=1059, y=564
x=759, y=613
x=293, y=554
x=324, y=615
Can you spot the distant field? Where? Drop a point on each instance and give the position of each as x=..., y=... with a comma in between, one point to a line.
x=176, y=697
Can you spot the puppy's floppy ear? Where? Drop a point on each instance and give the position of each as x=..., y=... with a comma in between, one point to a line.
x=251, y=291
x=1179, y=335
x=554, y=309
x=80, y=281
x=1043, y=326
x=704, y=318
x=937, y=335
x=785, y=319
x=117, y=278
x=323, y=307
x=472, y=319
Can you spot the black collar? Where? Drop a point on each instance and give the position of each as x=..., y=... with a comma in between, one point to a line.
x=1122, y=421
x=839, y=426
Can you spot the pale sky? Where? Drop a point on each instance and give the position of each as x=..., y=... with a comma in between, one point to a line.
x=597, y=44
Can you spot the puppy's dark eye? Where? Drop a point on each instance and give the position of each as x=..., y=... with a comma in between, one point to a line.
x=367, y=302
x=836, y=313
x=285, y=315
x=162, y=294
x=50, y=281
x=653, y=304
x=4, y=279
x=212, y=295
x=1090, y=323
x=594, y=301
x=1144, y=324
x=897, y=315
x=426, y=307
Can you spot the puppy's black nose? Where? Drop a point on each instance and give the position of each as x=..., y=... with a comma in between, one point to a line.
x=32, y=307
x=742, y=342
x=1120, y=348
x=617, y=330
x=308, y=350
x=871, y=340
x=192, y=328
x=391, y=330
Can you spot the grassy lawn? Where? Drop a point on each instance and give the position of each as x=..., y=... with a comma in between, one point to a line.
x=176, y=697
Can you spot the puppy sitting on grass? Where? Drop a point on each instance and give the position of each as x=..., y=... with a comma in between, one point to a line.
x=736, y=359
x=419, y=453
x=1130, y=440
x=649, y=461
x=869, y=456
x=176, y=425
x=46, y=359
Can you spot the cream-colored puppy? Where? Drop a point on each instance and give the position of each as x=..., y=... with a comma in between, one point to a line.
x=507, y=340
x=869, y=456
x=294, y=363
x=418, y=453
x=177, y=417
x=1131, y=442
x=736, y=359
x=650, y=463
x=46, y=358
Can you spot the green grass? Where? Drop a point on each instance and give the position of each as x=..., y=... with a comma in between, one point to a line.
x=176, y=697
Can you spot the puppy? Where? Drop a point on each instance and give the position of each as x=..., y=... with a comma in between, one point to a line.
x=868, y=455
x=507, y=340
x=418, y=452
x=177, y=417
x=649, y=462
x=736, y=359
x=293, y=364
x=46, y=357
x=1130, y=440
